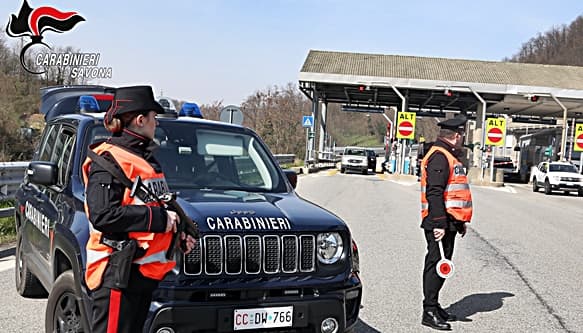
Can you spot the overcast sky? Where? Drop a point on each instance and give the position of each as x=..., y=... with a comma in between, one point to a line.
x=205, y=51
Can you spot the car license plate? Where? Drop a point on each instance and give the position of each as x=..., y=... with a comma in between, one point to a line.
x=247, y=319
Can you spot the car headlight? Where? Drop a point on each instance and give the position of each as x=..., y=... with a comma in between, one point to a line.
x=330, y=247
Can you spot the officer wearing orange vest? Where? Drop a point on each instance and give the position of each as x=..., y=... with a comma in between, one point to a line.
x=129, y=236
x=446, y=207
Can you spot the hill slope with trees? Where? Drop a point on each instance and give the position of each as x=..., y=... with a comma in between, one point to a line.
x=275, y=113
x=561, y=45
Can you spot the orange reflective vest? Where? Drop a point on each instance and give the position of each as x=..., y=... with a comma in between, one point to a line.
x=153, y=264
x=457, y=196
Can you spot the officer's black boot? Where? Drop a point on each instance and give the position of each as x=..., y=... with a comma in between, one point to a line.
x=446, y=315
x=434, y=320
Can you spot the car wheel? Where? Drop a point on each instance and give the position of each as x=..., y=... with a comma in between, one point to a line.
x=63, y=311
x=27, y=284
x=580, y=192
x=547, y=187
x=365, y=172
x=342, y=170
x=534, y=185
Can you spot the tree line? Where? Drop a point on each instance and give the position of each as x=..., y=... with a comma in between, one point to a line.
x=561, y=45
x=275, y=113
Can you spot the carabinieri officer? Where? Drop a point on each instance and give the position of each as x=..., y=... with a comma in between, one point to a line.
x=446, y=207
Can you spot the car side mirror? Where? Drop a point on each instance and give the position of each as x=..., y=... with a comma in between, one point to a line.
x=42, y=173
x=292, y=176
x=516, y=148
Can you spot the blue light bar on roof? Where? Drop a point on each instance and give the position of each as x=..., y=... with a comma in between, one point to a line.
x=88, y=103
x=190, y=110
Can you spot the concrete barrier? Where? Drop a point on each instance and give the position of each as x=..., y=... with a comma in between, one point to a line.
x=475, y=177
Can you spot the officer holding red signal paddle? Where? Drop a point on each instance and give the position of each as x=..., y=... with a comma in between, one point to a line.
x=446, y=207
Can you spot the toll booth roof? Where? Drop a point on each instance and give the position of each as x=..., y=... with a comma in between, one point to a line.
x=371, y=80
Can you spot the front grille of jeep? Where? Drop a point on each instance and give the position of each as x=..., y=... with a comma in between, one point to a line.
x=252, y=255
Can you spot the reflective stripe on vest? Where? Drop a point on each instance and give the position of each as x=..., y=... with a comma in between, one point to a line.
x=152, y=265
x=457, y=196
x=155, y=257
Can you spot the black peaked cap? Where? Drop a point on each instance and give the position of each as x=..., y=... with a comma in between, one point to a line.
x=134, y=99
x=455, y=124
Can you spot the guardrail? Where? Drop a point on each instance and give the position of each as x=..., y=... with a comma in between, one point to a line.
x=285, y=158
x=12, y=173
x=6, y=212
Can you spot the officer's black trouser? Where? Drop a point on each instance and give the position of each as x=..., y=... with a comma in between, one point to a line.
x=432, y=283
x=122, y=310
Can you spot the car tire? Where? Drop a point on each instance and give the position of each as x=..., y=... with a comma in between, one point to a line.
x=27, y=284
x=548, y=189
x=580, y=192
x=63, y=312
x=365, y=172
x=342, y=170
x=534, y=185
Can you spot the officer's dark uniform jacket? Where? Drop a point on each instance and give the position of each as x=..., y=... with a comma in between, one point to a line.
x=104, y=195
x=437, y=180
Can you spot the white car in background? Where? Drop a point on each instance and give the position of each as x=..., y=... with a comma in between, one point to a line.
x=557, y=176
x=354, y=158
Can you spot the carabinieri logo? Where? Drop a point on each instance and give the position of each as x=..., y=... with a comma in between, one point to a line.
x=34, y=22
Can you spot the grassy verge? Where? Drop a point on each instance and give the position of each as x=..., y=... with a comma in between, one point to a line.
x=296, y=163
x=7, y=229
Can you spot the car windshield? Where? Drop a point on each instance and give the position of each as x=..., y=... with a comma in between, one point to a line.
x=195, y=156
x=355, y=152
x=562, y=168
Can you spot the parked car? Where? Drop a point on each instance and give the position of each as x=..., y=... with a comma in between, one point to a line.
x=557, y=176
x=264, y=252
x=507, y=166
x=354, y=159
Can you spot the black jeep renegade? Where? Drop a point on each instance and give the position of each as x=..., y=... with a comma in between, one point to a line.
x=267, y=259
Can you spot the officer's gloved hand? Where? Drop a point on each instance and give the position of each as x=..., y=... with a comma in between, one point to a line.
x=461, y=228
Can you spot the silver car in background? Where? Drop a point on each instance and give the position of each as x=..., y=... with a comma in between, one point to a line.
x=354, y=159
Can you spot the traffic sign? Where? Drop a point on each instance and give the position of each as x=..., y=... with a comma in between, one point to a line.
x=308, y=121
x=578, y=137
x=406, y=125
x=231, y=114
x=495, y=131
